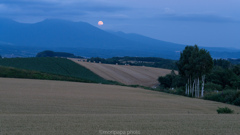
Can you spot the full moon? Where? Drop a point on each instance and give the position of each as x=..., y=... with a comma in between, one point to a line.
x=100, y=23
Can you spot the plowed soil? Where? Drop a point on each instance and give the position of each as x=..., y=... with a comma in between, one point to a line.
x=129, y=75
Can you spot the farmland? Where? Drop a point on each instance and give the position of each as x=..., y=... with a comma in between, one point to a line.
x=10, y=72
x=130, y=75
x=58, y=108
x=57, y=66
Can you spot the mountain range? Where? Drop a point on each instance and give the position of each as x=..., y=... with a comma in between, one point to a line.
x=83, y=39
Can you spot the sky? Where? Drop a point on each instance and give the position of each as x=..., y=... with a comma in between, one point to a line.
x=212, y=23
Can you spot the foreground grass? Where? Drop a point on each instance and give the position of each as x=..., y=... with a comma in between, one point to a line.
x=58, y=108
x=56, y=66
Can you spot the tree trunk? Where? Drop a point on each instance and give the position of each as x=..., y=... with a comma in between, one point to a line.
x=193, y=88
x=195, y=82
x=186, y=89
x=190, y=84
x=198, y=88
x=203, y=79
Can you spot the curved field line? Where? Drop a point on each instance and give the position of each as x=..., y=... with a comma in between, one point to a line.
x=130, y=75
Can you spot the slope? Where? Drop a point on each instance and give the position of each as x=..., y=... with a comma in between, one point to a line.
x=130, y=75
x=59, y=33
x=58, y=66
x=58, y=108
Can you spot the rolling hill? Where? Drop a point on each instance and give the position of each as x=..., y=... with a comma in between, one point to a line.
x=59, y=108
x=55, y=66
x=129, y=75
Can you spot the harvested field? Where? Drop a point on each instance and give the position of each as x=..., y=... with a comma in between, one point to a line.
x=41, y=107
x=130, y=75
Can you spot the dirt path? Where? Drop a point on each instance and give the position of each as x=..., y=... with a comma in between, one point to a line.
x=130, y=75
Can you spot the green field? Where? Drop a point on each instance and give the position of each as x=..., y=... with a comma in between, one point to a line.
x=10, y=72
x=55, y=66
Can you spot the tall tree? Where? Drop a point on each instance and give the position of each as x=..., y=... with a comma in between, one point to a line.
x=205, y=65
x=185, y=67
x=194, y=64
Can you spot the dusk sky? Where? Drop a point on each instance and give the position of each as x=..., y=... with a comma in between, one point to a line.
x=205, y=22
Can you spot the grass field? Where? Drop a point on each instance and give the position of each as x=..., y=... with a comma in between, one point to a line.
x=58, y=66
x=43, y=107
x=129, y=75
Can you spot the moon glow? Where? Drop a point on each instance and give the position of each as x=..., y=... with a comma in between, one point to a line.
x=100, y=23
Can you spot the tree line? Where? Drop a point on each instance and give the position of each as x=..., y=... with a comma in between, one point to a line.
x=201, y=76
x=49, y=53
x=138, y=61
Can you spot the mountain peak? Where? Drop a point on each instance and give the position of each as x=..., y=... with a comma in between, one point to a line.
x=57, y=33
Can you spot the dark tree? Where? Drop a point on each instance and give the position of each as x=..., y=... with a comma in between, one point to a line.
x=194, y=63
x=222, y=63
x=236, y=70
x=48, y=53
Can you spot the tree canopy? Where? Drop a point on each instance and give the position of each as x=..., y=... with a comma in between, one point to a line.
x=48, y=53
x=194, y=62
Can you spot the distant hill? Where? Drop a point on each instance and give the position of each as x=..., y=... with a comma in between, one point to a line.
x=83, y=39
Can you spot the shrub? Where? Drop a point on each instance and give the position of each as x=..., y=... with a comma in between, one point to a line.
x=224, y=110
x=166, y=81
x=226, y=96
x=180, y=91
x=212, y=87
x=236, y=101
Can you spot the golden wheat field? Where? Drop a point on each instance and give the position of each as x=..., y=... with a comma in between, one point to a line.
x=40, y=107
x=129, y=75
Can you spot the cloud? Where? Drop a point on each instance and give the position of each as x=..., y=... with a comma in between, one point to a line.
x=168, y=11
x=210, y=18
x=3, y=8
x=55, y=8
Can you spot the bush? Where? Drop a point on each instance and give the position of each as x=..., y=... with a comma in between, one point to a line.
x=224, y=110
x=212, y=87
x=236, y=101
x=224, y=77
x=165, y=81
x=228, y=96
x=171, y=81
x=178, y=91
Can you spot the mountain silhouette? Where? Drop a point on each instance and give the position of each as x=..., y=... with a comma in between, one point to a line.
x=83, y=39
